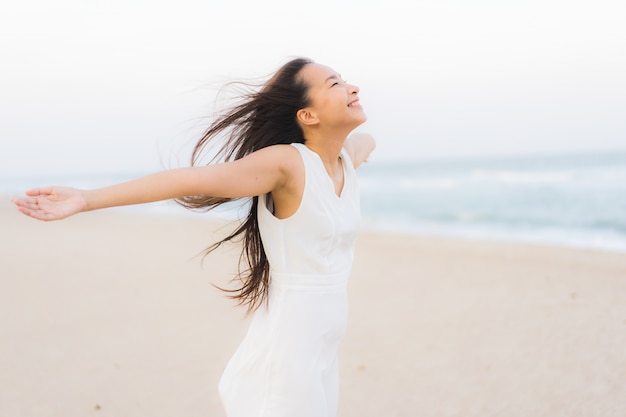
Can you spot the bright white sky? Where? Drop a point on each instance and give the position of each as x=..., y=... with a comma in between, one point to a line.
x=107, y=85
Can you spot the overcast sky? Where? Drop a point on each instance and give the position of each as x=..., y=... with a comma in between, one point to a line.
x=93, y=86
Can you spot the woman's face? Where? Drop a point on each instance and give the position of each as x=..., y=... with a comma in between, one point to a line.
x=334, y=102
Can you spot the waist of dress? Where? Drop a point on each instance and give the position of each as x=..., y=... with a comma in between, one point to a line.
x=322, y=282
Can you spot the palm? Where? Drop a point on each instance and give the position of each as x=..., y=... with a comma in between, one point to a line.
x=52, y=203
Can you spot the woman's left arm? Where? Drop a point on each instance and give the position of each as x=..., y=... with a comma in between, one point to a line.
x=359, y=147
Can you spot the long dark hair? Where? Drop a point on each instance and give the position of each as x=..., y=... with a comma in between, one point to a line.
x=265, y=117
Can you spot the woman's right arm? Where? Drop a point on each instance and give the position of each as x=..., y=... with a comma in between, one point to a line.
x=258, y=173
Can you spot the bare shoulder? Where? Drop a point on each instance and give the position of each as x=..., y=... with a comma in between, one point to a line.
x=286, y=161
x=285, y=157
x=287, y=193
x=359, y=146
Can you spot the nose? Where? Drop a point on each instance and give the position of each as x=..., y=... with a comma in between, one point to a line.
x=353, y=89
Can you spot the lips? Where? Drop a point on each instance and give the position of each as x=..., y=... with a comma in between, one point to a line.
x=354, y=103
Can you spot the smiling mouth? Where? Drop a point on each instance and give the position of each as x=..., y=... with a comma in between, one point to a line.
x=354, y=104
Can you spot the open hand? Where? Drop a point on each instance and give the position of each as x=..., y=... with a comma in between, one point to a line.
x=51, y=203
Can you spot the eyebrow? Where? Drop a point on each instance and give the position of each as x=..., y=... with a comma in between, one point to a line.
x=336, y=77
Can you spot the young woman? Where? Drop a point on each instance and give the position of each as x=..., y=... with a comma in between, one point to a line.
x=287, y=147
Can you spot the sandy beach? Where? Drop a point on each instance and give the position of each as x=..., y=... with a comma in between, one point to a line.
x=111, y=313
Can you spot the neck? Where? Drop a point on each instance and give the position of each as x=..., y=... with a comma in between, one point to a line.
x=326, y=145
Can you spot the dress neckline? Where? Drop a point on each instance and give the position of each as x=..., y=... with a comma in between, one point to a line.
x=342, y=161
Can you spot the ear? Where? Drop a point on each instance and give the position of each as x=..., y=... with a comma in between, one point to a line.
x=307, y=117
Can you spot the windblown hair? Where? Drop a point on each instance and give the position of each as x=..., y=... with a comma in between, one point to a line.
x=263, y=118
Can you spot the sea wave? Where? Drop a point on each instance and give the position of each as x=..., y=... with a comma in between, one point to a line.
x=573, y=200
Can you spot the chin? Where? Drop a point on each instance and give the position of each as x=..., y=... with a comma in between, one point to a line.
x=361, y=120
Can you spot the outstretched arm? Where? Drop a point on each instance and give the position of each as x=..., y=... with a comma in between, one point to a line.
x=260, y=172
x=359, y=147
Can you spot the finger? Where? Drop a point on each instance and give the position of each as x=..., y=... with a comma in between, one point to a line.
x=29, y=203
x=19, y=201
x=37, y=211
x=36, y=214
x=39, y=215
x=39, y=191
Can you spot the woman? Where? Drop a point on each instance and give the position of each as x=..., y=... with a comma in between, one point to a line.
x=288, y=148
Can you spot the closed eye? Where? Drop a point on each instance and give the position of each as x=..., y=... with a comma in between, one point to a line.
x=336, y=80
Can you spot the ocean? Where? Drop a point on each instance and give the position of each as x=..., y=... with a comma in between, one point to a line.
x=576, y=199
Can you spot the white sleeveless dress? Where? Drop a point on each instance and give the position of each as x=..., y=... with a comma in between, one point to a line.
x=287, y=364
